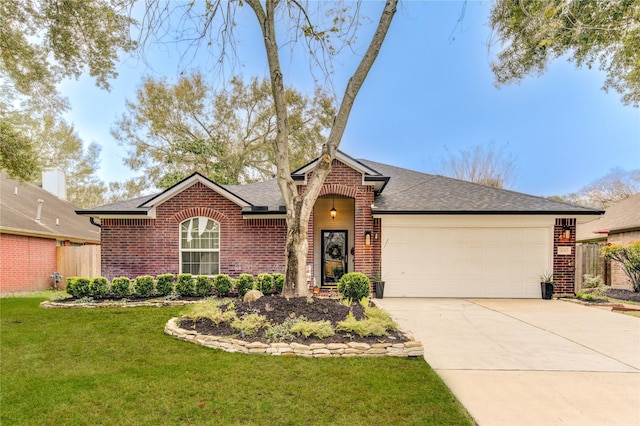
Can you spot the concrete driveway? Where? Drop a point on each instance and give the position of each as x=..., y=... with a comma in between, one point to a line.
x=530, y=362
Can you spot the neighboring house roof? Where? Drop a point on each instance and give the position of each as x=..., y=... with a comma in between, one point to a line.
x=620, y=217
x=19, y=209
x=398, y=191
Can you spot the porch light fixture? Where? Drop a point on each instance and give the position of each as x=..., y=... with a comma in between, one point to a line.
x=566, y=233
x=333, y=210
x=367, y=238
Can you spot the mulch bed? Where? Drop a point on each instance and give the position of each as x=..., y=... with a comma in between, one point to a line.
x=621, y=294
x=277, y=309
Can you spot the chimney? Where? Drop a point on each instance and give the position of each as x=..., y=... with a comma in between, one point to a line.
x=55, y=182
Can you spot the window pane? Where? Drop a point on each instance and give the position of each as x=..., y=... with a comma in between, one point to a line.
x=200, y=233
x=200, y=263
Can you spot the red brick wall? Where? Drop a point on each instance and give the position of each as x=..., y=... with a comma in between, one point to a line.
x=132, y=247
x=564, y=266
x=26, y=263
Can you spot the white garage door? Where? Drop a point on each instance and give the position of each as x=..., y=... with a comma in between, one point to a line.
x=456, y=259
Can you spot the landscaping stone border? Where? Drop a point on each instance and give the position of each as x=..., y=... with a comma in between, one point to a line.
x=117, y=304
x=412, y=348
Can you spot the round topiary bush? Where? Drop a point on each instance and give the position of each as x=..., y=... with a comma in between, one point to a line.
x=144, y=285
x=78, y=287
x=121, y=286
x=185, y=286
x=99, y=287
x=278, y=282
x=354, y=286
x=164, y=284
x=264, y=283
x=223, y=284
x=244, y=283
x=204, y=285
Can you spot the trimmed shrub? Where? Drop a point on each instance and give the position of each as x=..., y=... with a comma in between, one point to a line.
x=144, y=285
x=99, y=287
x=244, y=283
x=264, y=283
x=164, y=284
x=278, y=282
x=363, y=328
x=185, y=286
x=354, y=286
x=223, y=284
x=121, y=286
x=204, y=285
x=77, y=287
x=212, y=309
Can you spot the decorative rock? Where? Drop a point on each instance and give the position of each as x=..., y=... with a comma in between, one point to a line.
x=358, y=345
x=332, y=346
x=381, y=345
x=252, y=295
x=317, y=346
x=321, y=351
x=257, y=345
x=297, y=346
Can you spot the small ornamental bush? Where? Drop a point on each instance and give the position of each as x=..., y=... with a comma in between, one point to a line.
x=264, y=283
x=78, y=287
x=278, y=282
x=628, y=257
x=164, y=284
x=99, y=287
x=320, y=329
x=121, y=286
x=185, y=286
x=144, y=285
x=204, y=285
x=363, y=328
x=244, y=283
x=223, y=284
x=211, y=309
x=249, y=323
x=354, y=286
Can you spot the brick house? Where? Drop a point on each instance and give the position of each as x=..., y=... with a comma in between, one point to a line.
x=33, y=224
x=424, y=235
x=620, y=224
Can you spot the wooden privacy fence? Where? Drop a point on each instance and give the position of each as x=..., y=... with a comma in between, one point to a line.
x=589, y=261
x=81, y=261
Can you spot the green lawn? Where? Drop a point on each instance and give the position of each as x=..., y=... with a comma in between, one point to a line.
x=116, y=366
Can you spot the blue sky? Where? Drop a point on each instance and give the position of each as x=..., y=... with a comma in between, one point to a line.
x=430, y=92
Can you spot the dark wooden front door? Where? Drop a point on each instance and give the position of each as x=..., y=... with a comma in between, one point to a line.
x=334, y=256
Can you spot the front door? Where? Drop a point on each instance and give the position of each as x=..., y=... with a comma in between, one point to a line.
x=334, y=256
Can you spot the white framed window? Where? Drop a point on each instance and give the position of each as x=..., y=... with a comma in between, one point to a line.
x=200, y=246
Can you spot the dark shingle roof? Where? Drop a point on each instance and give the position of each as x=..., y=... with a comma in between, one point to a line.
x=407, y=191
x=19, y=206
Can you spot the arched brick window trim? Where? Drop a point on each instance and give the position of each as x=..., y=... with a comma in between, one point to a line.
x=337, y=189
x=199, y=212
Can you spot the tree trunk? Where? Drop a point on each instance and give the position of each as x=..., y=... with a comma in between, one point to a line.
x=300, y=206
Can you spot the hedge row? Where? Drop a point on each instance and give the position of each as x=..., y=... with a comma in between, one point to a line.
x=166, y=284
x=353, y=285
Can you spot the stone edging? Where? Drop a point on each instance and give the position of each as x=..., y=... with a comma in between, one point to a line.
x=412, y=348
x=130, y=304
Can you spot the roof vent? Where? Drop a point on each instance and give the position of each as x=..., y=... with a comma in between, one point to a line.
x=39, y=211
x=55, y=182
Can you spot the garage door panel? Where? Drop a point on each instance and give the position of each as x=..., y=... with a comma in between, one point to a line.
x=464, y=262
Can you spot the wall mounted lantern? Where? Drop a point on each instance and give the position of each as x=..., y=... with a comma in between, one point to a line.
x=367, y=238
x=566, y=233
x=333, y=210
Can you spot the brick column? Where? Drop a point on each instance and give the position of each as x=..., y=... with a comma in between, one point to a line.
x=564, y=257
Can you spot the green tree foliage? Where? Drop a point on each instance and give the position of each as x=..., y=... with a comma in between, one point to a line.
x=44, y=41
x=173, y=130
x=17, y=155
x=628, y=257
x=588, y=32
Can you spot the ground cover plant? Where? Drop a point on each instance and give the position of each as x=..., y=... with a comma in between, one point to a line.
x=116, y=366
